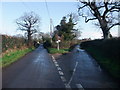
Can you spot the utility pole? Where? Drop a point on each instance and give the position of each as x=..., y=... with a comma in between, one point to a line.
x=51, y=29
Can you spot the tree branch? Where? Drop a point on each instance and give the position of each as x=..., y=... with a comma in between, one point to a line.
x=115, y=11
x=86, y=20
x=33, y=31
x=20, y=28
x=112, y=9
x=91, y=11
x=100, y=7
x=23, y=25
x=82, y=7
x=114, y=25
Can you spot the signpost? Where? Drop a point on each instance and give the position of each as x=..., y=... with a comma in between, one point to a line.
x=58, y=41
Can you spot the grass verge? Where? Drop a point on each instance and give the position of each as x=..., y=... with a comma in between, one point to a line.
x=112, y=66
x=8, y=59
x=54, y=50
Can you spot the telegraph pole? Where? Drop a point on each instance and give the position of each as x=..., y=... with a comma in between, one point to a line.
x=51, y=23
x=51, y=29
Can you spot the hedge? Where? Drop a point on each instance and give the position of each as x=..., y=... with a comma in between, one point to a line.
x=11, y=42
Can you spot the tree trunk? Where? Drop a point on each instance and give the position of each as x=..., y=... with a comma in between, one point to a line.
x=105, y=34
x=104, y=27
x=29, y=38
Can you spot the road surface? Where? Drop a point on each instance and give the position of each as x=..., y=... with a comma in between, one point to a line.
x=80, y=69
x=35, y=70
x=38, y=69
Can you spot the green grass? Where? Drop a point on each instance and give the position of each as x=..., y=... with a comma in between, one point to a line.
x=112, y=66
x=14, y=56
x=54, y=50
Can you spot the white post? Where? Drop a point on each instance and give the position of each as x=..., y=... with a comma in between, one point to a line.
x=58, y=46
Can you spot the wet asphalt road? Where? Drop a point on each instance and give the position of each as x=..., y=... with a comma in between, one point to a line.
x=87, y=74
x=37, y=70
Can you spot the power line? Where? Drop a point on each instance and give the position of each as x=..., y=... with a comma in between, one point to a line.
x=47, y=9
x=51, y=22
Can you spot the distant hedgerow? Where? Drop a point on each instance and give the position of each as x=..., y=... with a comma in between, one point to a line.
x=11, y=42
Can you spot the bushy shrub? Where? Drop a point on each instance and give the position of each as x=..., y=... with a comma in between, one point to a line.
x=62, y=44
x=68, y=44
x=36, y=44
x=47, y=43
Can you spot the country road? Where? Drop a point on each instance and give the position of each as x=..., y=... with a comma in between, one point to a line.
x=38, y=69
x=35, y=70
x=80, y=69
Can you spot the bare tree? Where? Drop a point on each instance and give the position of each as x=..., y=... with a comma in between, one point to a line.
x=29, y=22
x=104, y=11
x=74, y=17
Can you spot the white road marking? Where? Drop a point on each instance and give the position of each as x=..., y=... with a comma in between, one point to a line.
x=67, y=86
x=59, y=69
x=53, y=58
x=56, y=65
x=55, y=62
x=63, y=78
x=79, y=86
x=73, y=73
x=61, y=73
